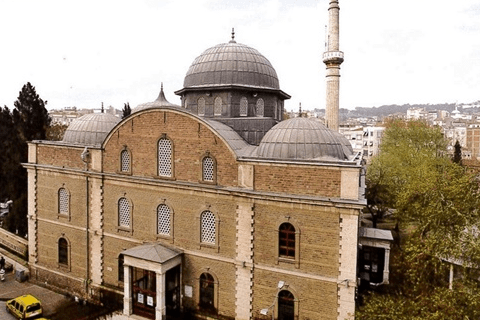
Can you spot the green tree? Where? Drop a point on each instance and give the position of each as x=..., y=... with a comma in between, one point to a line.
x=28, y=121
x=438, y=202
x=56, y=132
x=126, y=111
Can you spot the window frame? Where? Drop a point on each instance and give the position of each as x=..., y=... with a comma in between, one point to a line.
x=285, y=259
x=65, y=265
x=130, y=208
x=172, y=162
x=202, y=244
x=68, y=198
x=295, y=302
x=170, y=215
x=245, y=114
x=203, y=103
x=125, y=150
x=214, y=169
x=217, y=108
x=260, y=107
x=213, y=310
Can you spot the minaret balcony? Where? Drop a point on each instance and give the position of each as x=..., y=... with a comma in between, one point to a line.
x=333, y=57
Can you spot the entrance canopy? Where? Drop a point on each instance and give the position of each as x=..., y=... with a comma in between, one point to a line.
x=152, y=252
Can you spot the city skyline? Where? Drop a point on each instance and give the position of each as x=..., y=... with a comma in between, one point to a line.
x=85, y=53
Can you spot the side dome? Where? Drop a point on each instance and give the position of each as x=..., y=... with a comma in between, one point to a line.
x=306, y=139
x=231, y=64
x=90, y=129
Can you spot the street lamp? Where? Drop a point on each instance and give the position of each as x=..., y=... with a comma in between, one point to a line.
x=264, y=312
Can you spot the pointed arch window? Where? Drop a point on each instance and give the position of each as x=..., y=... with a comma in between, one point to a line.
x=217, y=108
x=124, y=214
x=63, y=252
x=260, y=108
x=243, y=107
x=165, y=151
x=125, y=162
x=208, y=169
x=207, y=293
x=208, y=228
x=286, y=305
x=201, y=107
x=63, y=201
x=163, y=220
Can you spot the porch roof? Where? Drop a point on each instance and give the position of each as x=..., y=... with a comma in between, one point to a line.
x=154, y=252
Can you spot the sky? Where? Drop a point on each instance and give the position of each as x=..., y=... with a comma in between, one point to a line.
x=83, y=53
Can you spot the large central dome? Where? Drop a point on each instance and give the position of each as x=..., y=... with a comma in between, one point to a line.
x=231, y=64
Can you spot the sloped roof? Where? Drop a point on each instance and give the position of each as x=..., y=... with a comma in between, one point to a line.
x=152, y=252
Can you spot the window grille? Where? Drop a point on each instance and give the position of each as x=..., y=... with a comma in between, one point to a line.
x=62, y=251
x=217, y=109
x=63, y=201
x=286, y=244
x=201, y=107
x=164, y=157
x=208, y=169
x=163, y=219
x=123, y=213
x=286, y=305
x=125, y=161
x=260, y=107
x=243, y=107
x=208, y=227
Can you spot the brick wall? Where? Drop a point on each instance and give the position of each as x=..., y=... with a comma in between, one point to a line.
x=296, y=179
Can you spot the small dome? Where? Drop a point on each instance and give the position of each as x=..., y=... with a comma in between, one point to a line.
x=231, y=64
x=303, y=138
x=90, y=129
x=161, y=101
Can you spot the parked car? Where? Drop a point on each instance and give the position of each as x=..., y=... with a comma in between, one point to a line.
x=25, y=307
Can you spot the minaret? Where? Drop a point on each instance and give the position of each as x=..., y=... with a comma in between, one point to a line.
x=333, y=58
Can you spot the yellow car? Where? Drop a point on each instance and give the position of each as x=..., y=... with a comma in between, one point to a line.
x=25, y=307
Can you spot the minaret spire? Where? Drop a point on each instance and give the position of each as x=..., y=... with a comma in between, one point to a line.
x=333, y=58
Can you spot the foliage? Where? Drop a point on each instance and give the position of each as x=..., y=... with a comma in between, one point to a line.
x=126, y=111
x=56, y=132
x=28, y=121
x=439, y=201
x=419, y=290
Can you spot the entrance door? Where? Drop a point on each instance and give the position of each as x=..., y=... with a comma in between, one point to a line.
x=172, y=293
x=144, y=292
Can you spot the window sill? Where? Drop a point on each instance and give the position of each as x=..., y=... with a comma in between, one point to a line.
x=164, y=178
x=63, y=216
x=125, y=173
x=124, y=230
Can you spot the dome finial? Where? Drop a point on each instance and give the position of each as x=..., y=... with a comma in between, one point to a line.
x=102, y=107
x=161, y=87
x=233, y=36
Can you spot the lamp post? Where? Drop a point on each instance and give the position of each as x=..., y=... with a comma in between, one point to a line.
x=264, y=312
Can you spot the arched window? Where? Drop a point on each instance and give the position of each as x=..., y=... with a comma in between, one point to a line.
x=243, y=107
x=125, y=161
x=63, y=251
x=208, y=232
x=124, y=218
x=201, y=107
x=217, y=108
x=208, y=169
x=275, y=110
x=260, y=110
x=163, y=220
x=207, y=292
x=286, y=305
x=63, y=201
x=286, y=241
x=164, y=157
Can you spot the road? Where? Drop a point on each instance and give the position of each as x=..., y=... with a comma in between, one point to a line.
x=4, y=315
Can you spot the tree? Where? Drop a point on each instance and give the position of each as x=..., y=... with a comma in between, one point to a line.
x=126, y=110
x=56, y=132
x=457, y=155
x=28, y=121
x=438, y=202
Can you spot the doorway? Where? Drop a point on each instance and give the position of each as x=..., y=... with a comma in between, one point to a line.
x=144, y=292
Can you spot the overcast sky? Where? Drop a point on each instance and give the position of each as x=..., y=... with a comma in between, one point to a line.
x=83, y=53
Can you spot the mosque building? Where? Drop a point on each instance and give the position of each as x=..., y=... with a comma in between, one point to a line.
x=214, y=207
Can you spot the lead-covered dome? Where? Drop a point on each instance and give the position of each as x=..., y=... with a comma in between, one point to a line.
x=231, y=64
x=90, y=129
x=303, y=138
